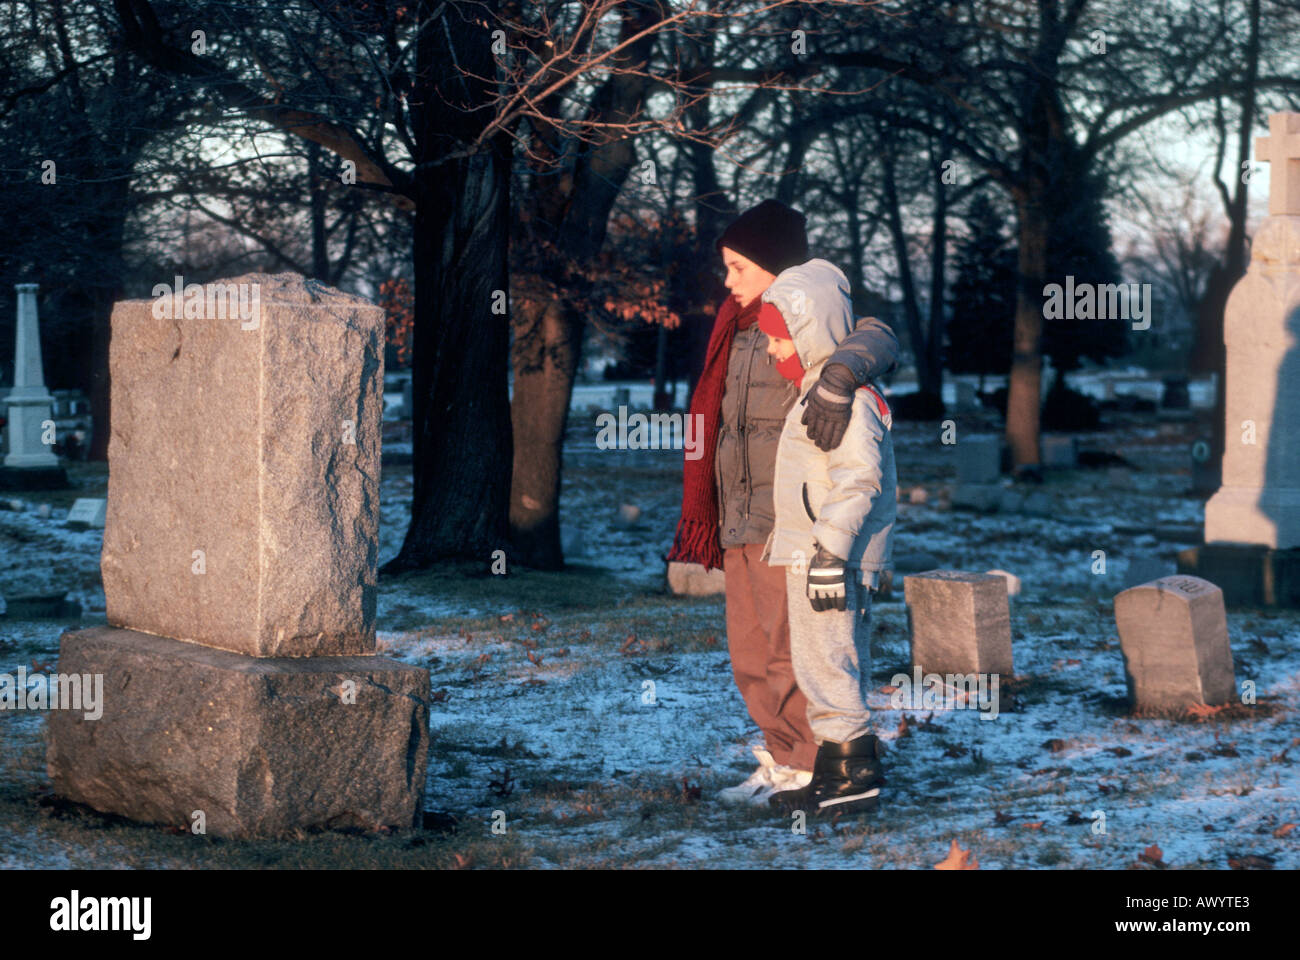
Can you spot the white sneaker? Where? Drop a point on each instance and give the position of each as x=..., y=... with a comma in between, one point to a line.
x=757, y=787
x=788, y=778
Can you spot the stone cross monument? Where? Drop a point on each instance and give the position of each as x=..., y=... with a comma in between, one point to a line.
x=240, y=684
x=1252, y=524
x=31, y=462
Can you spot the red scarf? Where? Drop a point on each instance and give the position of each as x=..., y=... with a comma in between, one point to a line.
x=697, y=538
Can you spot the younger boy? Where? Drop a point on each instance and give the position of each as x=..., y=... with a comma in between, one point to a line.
x=835, y=514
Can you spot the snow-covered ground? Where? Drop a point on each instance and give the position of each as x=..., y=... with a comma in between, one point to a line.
x=594, y=714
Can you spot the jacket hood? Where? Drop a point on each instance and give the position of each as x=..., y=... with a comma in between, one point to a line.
x=814, y=299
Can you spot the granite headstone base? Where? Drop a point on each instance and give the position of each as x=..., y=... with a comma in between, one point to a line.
x=261, y=746
x=1249, y=575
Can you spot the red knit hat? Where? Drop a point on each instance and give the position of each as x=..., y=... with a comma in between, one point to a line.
x=772, y=323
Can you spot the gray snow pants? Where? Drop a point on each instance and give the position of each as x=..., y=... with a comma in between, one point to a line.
x=832, y=658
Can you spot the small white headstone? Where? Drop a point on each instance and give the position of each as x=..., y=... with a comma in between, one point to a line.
x=87, y=512
x=1013, y=582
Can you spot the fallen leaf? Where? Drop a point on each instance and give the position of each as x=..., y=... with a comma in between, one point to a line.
x=889, y=689
x=957, y=859
x=1251, y=861
x=438, y=696
x=507, y=617
x=1154, y=855
x=1002, y=819
x=1120, y=751
x=534, y=659
x=1283, y=830
x=1036, y=825
x=1204, y=711
x=1056, y=745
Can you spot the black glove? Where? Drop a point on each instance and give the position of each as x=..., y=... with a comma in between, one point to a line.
x=829, y=404
x=827, y=589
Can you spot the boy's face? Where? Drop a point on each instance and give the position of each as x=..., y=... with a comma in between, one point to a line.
x=779, y=348
x=745, y=279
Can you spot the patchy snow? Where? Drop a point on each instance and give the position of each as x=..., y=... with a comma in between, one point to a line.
x=590, y=706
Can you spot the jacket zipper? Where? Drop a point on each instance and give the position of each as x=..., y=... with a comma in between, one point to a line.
x=743, y=407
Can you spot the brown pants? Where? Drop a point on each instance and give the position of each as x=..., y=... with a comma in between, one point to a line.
x=758, y=638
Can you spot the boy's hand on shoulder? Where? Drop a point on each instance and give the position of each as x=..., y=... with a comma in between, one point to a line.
x=826, y=584
x=829, y=405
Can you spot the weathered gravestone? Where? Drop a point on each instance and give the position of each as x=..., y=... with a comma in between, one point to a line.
x=1174, y=636
x=959, y=622
x=87, y=512
x=979, y=460
x=1252, y=524
x=1059, y=451
x=240, y=681
x=243, y=473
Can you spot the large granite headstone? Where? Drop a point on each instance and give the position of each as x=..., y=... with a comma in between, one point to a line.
x=959, y=622
x=1258, y=504
x=244, y=472
x=240, y=681
x=1174, y=636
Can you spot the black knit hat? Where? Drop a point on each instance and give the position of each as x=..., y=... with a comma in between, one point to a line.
x=771, y=234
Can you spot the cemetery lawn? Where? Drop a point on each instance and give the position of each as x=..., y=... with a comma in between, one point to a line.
x=594, y=714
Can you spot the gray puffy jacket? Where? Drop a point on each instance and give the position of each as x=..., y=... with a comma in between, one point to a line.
x=754, y=408
x=844, y=499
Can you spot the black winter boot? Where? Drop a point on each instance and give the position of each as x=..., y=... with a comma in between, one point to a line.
x=847, y=778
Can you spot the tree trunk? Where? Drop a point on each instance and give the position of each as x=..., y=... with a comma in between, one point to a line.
x=461, y=427
x=547, y=351
x=105, y=289
x=548, y=348
x=461, y=422
x=911, y=309
x=1235, y=262
x=663, y=389
x=938, y=262
x=1024, y=387
x=320, y=255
